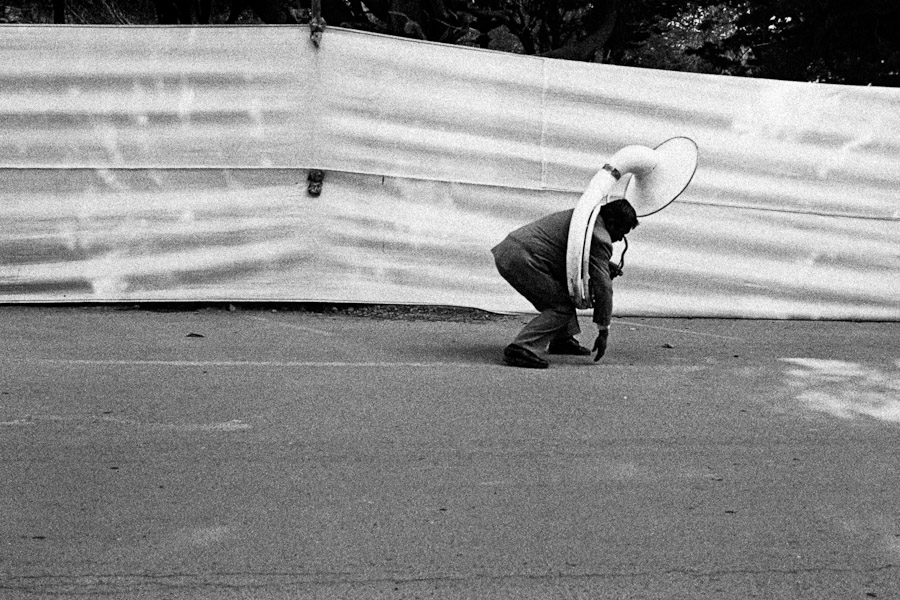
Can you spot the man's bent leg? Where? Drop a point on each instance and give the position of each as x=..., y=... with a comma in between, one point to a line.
x=567, y=343
x=552, y=323
x=571, y=330
x=557, y=318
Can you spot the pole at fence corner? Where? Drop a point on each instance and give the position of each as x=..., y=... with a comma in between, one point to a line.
x=316, y=23
x=315, y=177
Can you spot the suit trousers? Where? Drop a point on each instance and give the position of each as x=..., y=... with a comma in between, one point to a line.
x=530, y=276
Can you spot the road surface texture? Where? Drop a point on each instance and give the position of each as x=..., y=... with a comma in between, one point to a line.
x=259, y=453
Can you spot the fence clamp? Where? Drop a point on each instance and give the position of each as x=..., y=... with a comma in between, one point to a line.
x=315, y=181
x=316, y=23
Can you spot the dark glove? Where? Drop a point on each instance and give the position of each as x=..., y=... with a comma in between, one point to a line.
x=614, y=270
x=600, y=344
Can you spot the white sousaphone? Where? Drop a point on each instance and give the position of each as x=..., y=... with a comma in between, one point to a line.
x=652, y=177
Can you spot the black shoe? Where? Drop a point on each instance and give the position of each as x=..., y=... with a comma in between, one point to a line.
x=517, y=356
x=568, y=346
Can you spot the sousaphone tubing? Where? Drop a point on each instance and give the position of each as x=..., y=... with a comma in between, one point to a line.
x=649, y=178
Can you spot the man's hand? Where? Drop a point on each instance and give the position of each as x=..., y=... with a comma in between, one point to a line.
x=614, y=270
x=600, y=344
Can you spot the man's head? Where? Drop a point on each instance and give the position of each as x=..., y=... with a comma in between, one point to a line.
x=619, y=218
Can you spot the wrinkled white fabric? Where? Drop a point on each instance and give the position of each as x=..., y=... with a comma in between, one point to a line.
x=170, y=163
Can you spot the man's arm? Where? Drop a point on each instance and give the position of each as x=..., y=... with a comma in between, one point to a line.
x=601, y=290
x=601, y=281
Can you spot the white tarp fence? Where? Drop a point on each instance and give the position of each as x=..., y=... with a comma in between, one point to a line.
x=169, y=163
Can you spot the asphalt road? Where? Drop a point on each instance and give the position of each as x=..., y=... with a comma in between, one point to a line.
x=259, y=454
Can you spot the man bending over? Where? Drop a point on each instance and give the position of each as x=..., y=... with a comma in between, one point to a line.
x=533, y=260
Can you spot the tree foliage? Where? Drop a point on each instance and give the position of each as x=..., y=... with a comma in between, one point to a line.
x=839, y=41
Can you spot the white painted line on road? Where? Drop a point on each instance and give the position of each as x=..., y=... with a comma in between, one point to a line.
x=712, y=335
x=230, y=426
x=233, y=425
x=345, y=365
x=292, y=326
x=240, y=363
